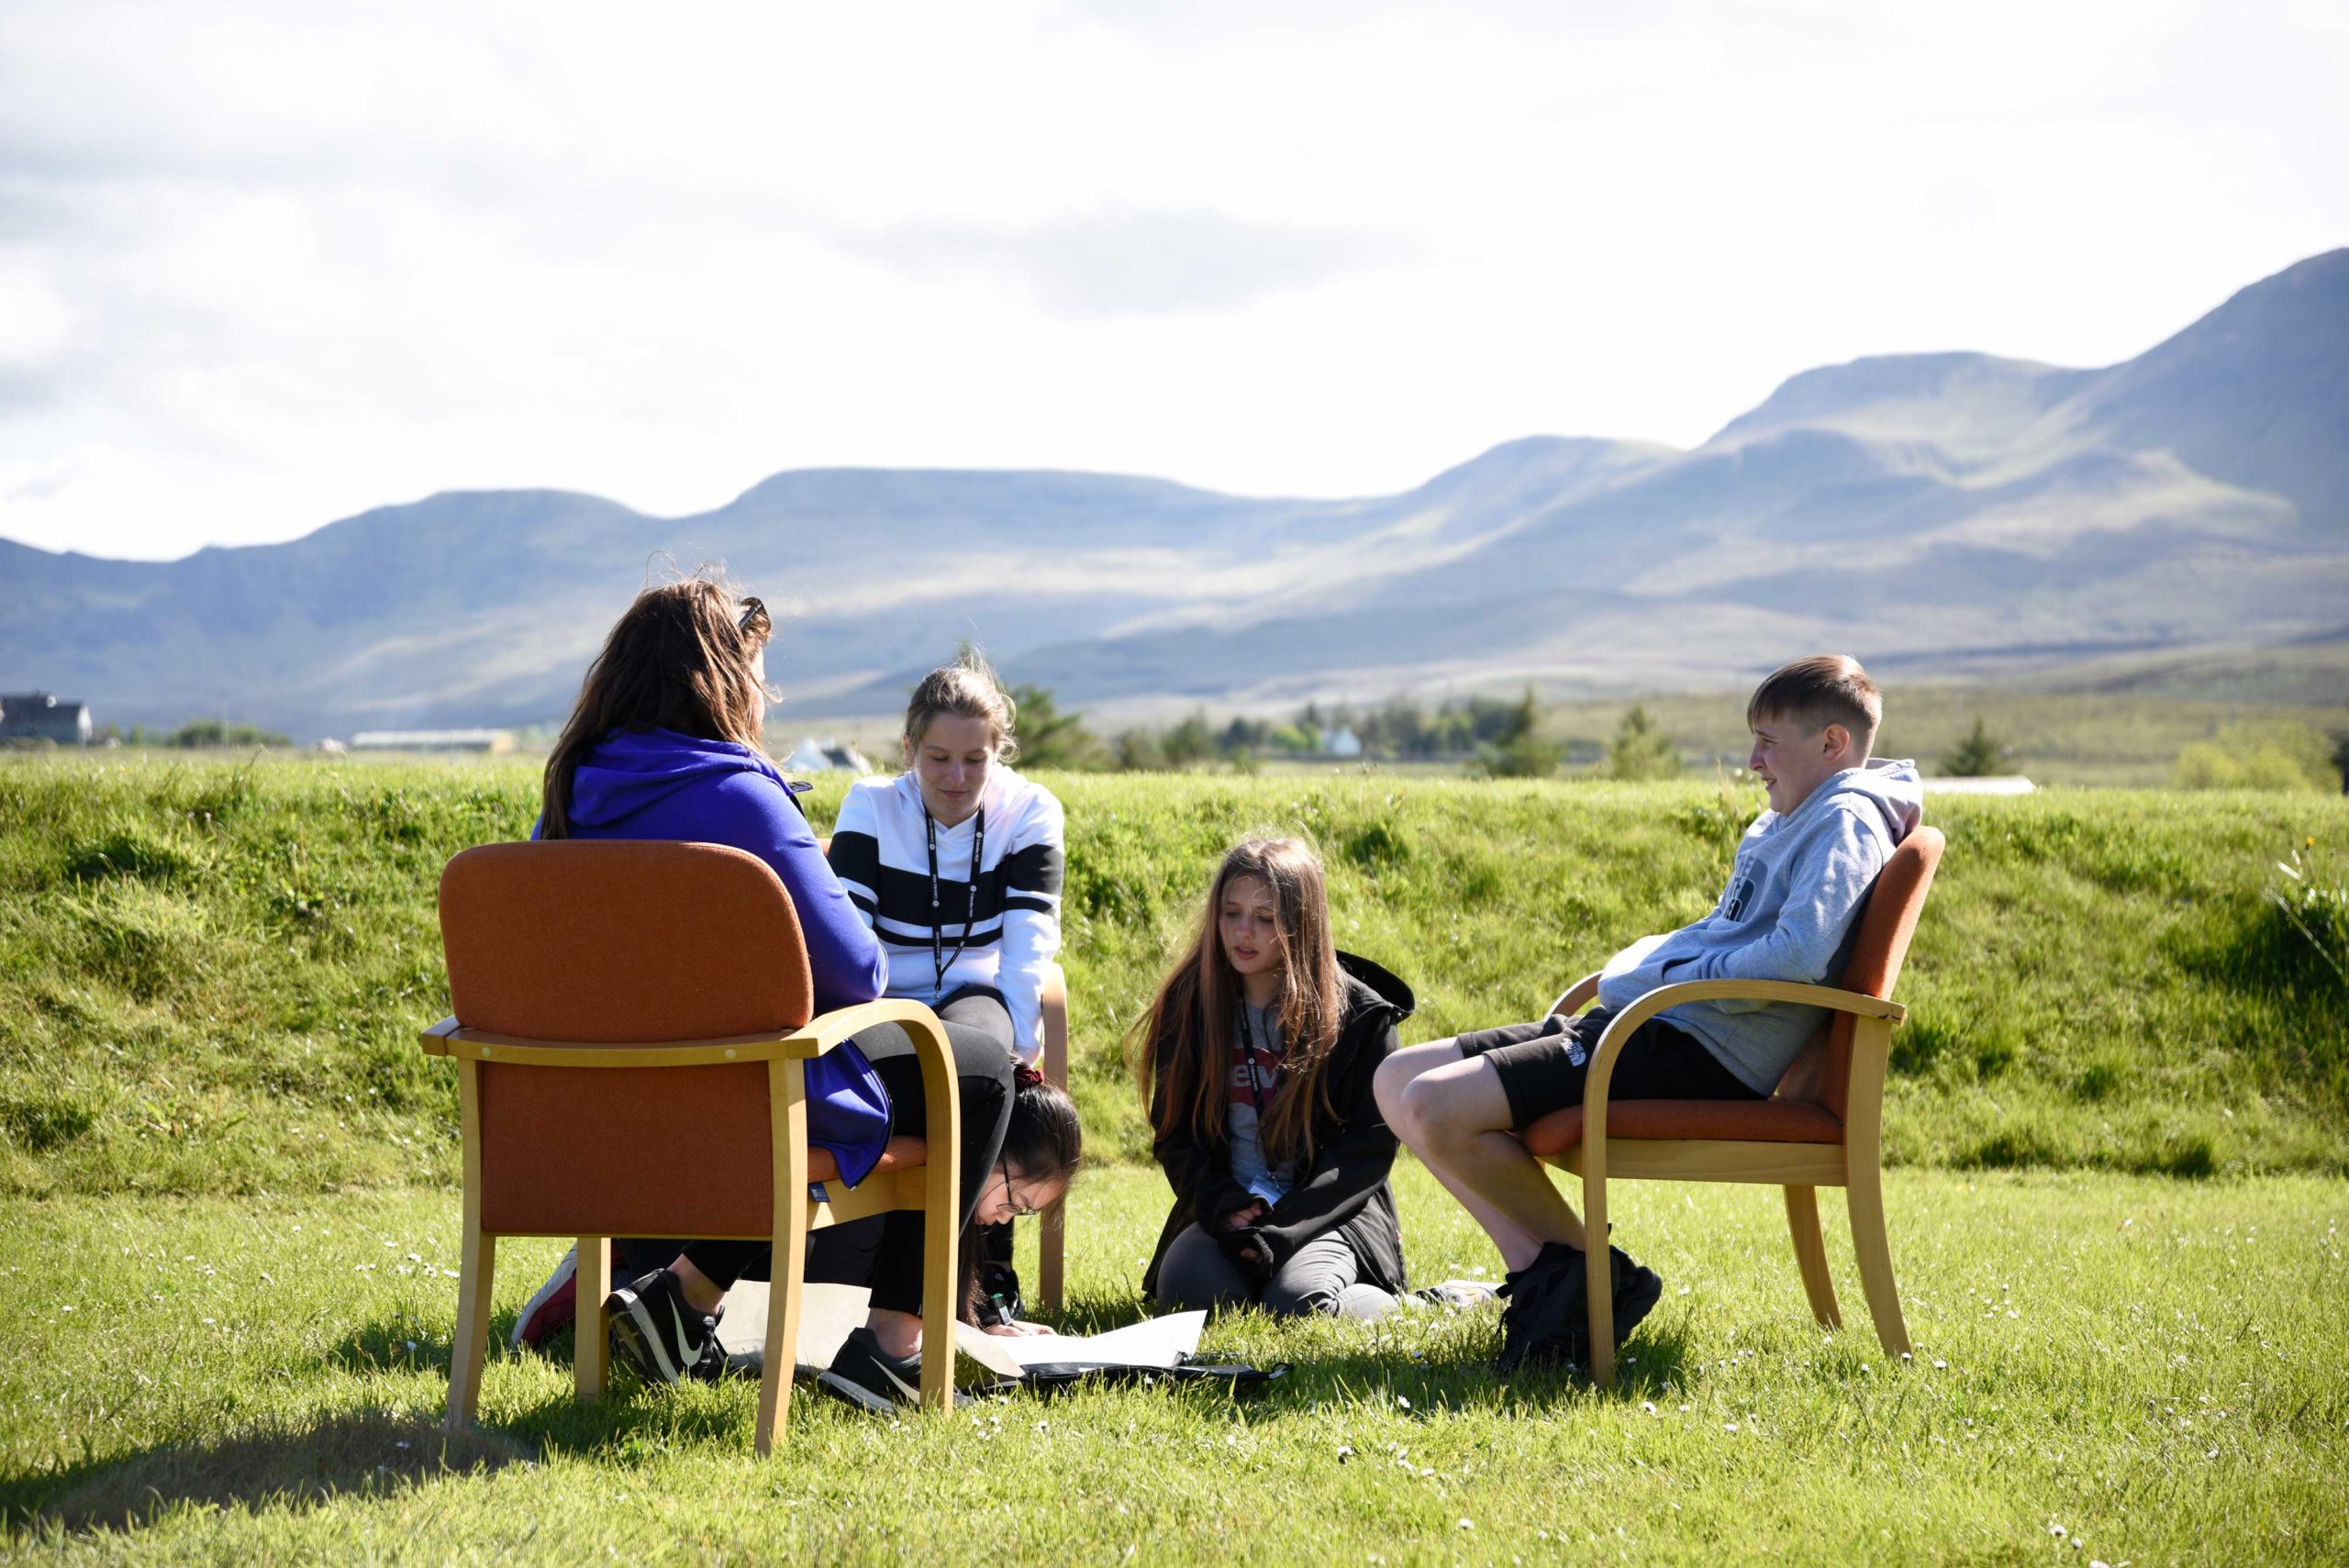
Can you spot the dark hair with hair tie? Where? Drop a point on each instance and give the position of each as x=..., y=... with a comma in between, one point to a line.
x=1043, y=1142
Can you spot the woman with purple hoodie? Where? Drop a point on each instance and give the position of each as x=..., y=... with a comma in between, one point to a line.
x=663, y=743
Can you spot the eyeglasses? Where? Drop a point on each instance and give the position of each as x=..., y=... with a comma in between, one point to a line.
x=1020, y=1208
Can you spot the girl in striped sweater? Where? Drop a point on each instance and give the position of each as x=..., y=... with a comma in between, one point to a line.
x=956, y=862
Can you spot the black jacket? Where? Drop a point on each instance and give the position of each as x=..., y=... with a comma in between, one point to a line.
x=1344, y=1188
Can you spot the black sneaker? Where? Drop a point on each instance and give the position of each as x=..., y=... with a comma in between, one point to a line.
x=864, y=1374
x=1637, y=1290
x=1546, y=1320
x=656, y=1331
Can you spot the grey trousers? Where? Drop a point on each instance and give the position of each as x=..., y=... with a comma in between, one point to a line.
x=1323, y=1277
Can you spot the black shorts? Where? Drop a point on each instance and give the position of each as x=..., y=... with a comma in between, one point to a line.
x=1543, y=1064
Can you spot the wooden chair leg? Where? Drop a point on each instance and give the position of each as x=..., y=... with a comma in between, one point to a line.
x=941, y=1212
x=1867, y=1196
x=786, y=1093
x=1810, y=1254
x=1051, y=1231
x=470, y=1348
x=1051, y=1251
x=591, y=1355
x=786, y=1292
x=469, y=1351
x=938, y=1307
x=1600, y=1284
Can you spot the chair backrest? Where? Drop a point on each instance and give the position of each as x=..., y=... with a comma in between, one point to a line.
x=623, y=941
x=602, y=941
x=1888, y=921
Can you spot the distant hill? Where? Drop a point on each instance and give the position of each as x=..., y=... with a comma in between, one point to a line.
x=1933, y=513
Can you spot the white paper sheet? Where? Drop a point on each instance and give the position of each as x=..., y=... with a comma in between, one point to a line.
x=827, y=1313
x=1155, y=1342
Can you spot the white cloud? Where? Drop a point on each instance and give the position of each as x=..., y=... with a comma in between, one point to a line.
x=265, y=265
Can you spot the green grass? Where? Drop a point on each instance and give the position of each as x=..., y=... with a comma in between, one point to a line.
x=212, y=973
x=2119, y=1114
x=2153, y=1366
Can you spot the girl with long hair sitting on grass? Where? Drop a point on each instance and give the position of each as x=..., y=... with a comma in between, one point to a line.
x=1255, y=1065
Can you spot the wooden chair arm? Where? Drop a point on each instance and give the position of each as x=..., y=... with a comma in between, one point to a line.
x=1578, y=995
x=1626, y=1023
x=448, y=1037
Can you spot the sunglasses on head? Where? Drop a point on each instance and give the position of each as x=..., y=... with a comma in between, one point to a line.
x=754, y=614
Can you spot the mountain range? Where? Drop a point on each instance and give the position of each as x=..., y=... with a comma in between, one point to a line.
x=1935, y=514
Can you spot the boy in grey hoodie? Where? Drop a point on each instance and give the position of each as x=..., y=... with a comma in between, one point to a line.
x=1789, y=912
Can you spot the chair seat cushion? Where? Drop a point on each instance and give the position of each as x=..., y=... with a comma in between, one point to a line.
x=1746, y=1121
x=902, y=1154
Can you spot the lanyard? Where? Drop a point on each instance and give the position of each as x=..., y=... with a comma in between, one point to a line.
x=940, y=959
x=1248, y=1060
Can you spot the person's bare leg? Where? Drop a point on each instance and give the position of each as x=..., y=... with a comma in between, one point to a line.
x=1519, y=1246
x=899, y=1333
x=1456, y=1118
x=701, y=1293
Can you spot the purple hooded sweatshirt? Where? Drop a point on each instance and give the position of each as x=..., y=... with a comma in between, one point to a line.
x=657, y=783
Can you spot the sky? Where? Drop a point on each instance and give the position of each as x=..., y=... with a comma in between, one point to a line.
x=266, y=264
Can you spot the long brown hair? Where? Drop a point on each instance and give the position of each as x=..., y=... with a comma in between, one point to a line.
x=1182, y=1046
x=679, y=658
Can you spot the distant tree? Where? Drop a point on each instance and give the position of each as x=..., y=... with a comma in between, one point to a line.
x=1498, y=720
x=1518, y=722
x=1300, y=738
x=2341, y=758
x=1978, y=756
x=1452, y=731
x=1050, y=739
x=1138, y=752
x=1516, y=753
x=200, y=733
x=1188, y=742
x=1522, y=757
x=1310, y=717
x=1641, y=749
x=1402, y=727
x=1243, y=736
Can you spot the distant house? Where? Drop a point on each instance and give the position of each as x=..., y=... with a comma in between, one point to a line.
x=484, y=741
x=1340, y=742
x=40, y=716
x=814, y=756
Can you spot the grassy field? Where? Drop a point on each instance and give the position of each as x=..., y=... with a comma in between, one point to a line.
x=2120, y=1115
x=211, y=974
x=2109, y=1369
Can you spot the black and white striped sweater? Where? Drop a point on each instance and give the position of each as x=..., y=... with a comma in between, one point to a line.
x=880, y=851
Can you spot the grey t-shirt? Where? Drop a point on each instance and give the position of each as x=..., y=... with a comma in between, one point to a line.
x=1255, y=1070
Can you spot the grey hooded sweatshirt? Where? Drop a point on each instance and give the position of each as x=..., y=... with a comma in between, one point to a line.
x=1789, y=912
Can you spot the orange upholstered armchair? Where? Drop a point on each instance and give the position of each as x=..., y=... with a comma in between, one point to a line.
x=1821, y=1129
x=1052, y=1224
x=632, y=1031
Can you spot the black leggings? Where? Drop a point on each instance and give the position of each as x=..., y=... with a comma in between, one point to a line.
x=887, y=1250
